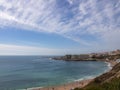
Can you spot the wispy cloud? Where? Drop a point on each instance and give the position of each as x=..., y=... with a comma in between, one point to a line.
x=72, y=19
x=9, y=49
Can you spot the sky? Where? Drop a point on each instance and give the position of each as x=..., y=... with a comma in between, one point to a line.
x=58, y=27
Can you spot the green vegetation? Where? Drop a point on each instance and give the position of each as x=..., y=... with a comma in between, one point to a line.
x=107, y=81
x=114, y=84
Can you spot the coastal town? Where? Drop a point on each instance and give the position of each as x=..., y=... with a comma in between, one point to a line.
x=105, y=56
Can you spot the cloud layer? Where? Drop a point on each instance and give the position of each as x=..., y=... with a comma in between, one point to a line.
x=89, y=22
x=9, y=49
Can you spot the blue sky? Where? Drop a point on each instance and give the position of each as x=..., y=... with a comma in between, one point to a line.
x=58, y=27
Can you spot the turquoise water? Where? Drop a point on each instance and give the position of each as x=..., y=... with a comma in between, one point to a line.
x=17, y=72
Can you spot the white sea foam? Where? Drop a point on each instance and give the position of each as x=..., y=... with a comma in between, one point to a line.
x=31, y=88
x=85, y=78
x=91, y=77
x=109, y=67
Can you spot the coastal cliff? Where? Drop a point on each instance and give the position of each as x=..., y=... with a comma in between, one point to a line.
x=106, y=81
x=73, y=57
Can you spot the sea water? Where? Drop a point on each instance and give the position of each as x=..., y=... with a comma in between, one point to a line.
x=20, y=72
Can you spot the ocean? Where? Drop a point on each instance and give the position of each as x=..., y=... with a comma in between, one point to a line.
x=21, y=72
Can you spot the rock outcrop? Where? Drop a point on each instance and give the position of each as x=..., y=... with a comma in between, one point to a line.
x=73, y=57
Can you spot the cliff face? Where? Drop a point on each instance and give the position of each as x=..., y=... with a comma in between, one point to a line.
x=106, y=81
x=74, y=57
x=114, y=73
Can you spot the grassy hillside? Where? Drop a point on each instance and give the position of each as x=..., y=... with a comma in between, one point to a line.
x=107, y=81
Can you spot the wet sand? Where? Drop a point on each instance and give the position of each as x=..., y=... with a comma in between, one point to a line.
x=69, y=86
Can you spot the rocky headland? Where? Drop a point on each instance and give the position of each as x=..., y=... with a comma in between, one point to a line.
x=104, y=56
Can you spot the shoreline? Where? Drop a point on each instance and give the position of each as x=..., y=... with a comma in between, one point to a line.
x=67, y=86
x=75, y=84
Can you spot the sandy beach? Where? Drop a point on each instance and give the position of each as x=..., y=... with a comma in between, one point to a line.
x=69, y=86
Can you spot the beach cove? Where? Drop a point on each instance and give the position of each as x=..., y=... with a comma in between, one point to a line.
x=111, y=58
x=75, y=84
x=24, y=72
